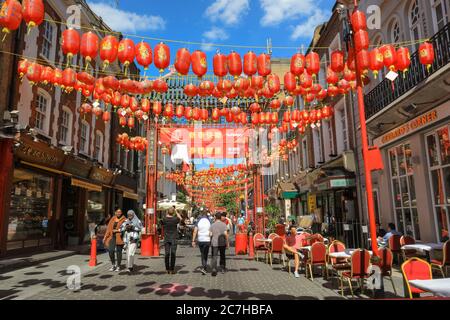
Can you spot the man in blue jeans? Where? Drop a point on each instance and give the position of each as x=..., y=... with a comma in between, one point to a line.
x=201, y=231
x=219, y=242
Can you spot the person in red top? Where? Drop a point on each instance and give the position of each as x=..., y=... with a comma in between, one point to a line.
x=290, y=250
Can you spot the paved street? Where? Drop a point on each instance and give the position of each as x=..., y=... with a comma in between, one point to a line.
x=244, y=280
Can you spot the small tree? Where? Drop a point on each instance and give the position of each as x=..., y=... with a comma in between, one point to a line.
x=274, y=213
x=228, y=200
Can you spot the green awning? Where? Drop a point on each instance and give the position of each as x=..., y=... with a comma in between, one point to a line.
x=288, y=191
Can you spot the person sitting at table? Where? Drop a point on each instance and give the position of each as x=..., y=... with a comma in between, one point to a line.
x=291, y=251
x=391, y=232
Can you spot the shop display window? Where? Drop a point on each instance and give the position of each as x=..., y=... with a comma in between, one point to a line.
x=31, y=206
x=438, y=147
x=403, y=190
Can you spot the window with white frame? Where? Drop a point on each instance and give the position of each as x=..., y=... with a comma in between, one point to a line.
x=440, y=14
x=438, y=149
x=414, y=23
x=42, y=112
x=341, y=129
x=305, y=153
x=395, y=32
x=65, y=128
x=98, y=147
x=47, y=43
x=403, y=190
x=84, y=137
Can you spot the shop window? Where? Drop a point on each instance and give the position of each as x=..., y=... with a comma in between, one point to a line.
x=438, y=146
x=95, y=211
x=31, y=207
x=403, y=190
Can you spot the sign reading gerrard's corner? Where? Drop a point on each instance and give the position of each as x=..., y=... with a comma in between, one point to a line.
x=414, y=125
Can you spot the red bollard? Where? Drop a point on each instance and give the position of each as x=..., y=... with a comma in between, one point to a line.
x=93, y=259
x=147, y=245
x=251, y=251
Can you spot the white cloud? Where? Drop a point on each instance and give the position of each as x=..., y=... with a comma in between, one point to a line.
x=126, y=21
x=279, y=11
x=306, y=29
x=229, y=12
x=213, y=35
x=216, y=34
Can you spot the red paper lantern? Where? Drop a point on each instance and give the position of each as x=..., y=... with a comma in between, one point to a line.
x=332, y=77
x=168, y=110
x=206, y=88
x=69, y=79
x=298, y=62
x=306, y=80
x=257, y=82
x=376, y=61
x=250, y=63
x=204, y=115
x=190, y=90
x=275, y=104
x=196, y=114
x=289, y=101
x=160, y=86
x=22, y=67
x=34, y=72
x=110, y=82
x=322, y=94
x=179, y=111
x=313, y=63
x=109, y=47
x=47, y=75
x=403, y=59
x=10, y=16
x=131, y=122
x=255, y=107
x=157, y=108
x=106, y=116
x=290, y=82
x=363, y=59
x=359, y=21
x=273, y=82
x=145, y=105
x=264, y=65
x=70, y=43
x=125, y=101
x=351, y=61
x=183, y=61
x=144, y=54
x=126, y=52
x=134, y=104
x=337, y=61
x=224, y=86
x=220, y=65
x=89, y=46
x=349, y=75
x=274, y=118
x=215, y=115
x=33, y=12
x=234, y=64
x=161, y=56
x=361, y=40
x=255, y=119
x=333, y=91
x=389, y=56
x=199, y=64
x=426, y=54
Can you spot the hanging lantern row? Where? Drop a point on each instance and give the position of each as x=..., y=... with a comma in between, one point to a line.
x=139, y=144
x=12, y=13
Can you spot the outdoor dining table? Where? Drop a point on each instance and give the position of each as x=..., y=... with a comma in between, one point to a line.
x=438, y=287
x=347, y=254
x=425, y=248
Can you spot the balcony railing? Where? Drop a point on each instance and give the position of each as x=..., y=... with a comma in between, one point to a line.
x=384, y=94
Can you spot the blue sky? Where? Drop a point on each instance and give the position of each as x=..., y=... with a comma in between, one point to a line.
x=289, y=23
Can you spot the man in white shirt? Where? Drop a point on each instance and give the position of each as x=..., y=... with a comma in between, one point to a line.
x=204, y=239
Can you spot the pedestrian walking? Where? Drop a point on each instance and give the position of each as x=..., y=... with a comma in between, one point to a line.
x=100, y=232
x=219, y=242
x=113, y=239
x=170, y=223
x=201, y=231
x=132, y=229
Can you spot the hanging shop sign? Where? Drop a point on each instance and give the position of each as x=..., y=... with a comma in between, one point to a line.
x=209, y=142
x=40, y=153
x=77, y=167
x=414, y=125
x=101, y=175
x=312, y=204
x=336, y=183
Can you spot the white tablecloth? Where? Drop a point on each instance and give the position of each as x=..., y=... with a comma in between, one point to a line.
x=344, y=254
x=439, y=287
x=422, y=247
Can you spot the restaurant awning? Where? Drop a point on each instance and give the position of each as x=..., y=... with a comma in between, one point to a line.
x=86, y=185
x=287, y=190
x=130, y=195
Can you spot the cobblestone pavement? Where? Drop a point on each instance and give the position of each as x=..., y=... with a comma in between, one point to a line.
x=244, y=280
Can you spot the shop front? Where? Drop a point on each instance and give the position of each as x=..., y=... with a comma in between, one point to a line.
x=414, y=188
x=125, y=194
x=288, y=193
x=33, y=209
